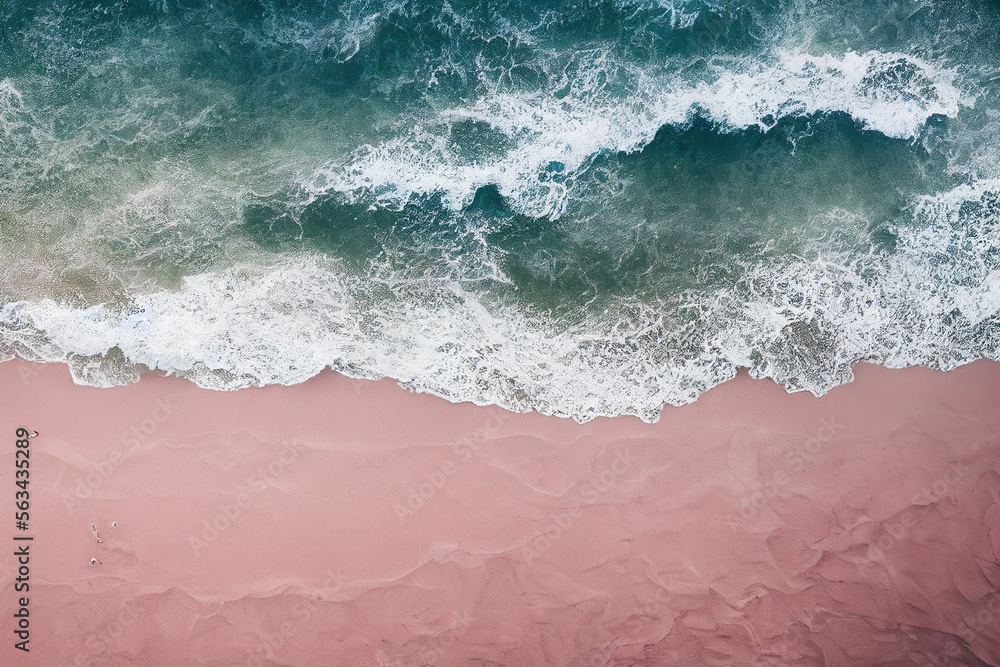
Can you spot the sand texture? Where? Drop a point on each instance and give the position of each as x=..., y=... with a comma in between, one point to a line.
x=343, y=522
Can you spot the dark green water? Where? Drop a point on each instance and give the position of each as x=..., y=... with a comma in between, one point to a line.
x=584, y=208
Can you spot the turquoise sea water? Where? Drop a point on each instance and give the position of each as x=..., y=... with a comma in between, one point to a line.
x=583, y=208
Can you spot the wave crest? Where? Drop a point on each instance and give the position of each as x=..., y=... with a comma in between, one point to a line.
x=542, y=141
x=804, y=323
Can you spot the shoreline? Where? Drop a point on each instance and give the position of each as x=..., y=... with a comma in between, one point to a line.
x=143, y=372
x=354, y=522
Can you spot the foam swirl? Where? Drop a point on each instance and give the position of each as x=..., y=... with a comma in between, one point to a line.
x=804, y=323
x=538, y=143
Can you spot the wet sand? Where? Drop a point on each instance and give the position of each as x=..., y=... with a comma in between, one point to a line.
x=343, y=522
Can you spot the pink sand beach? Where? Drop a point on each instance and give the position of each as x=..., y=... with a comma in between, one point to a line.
x=343, y=522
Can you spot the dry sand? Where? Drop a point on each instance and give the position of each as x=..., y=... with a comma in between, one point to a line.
x=342, y=522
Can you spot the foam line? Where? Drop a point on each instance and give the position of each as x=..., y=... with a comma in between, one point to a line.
x=548, y=140
x=803, y=322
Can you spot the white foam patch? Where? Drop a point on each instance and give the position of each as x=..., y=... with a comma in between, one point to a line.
x=551, y=139
x=891, y=93
x=11, y=103
x=340, y=39
x=935, y=302
x=24, y=142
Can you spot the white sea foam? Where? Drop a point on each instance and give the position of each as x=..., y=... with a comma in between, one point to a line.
x=23, y=144
x=803, y=323
x=11, y=102
x=550, y=139
x=340, y=39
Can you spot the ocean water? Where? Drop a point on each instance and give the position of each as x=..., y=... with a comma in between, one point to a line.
x=582, y=207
